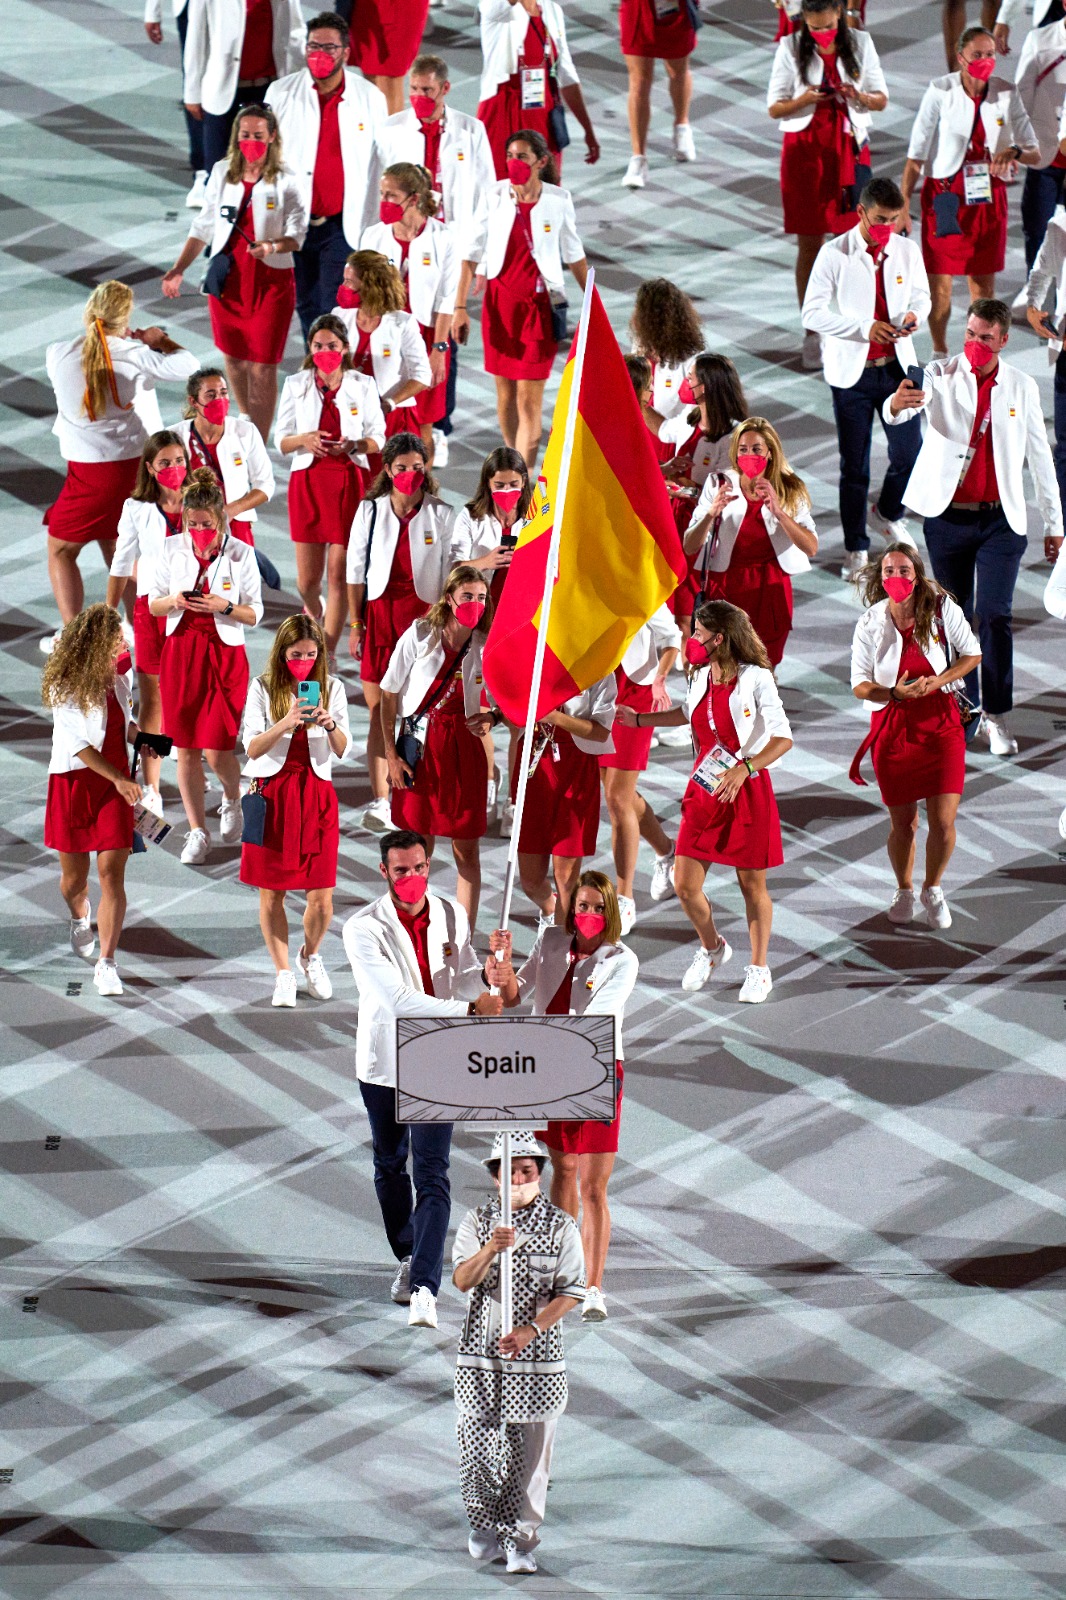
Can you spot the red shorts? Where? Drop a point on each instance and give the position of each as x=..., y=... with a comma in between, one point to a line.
x=586, y=1138
x=148, y=635
x=91, y=500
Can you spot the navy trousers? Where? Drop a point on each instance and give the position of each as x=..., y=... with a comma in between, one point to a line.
x=976, y=556
x=415, y=1225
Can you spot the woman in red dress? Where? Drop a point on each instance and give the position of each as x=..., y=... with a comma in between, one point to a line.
x=434, y=683
x=291, y=750
x=728, y=813
x=913, y=641
x=527, y=76
x=253, y=211
x=385, y=36
x=231, y=447
x=656, y=30
x=90, y=793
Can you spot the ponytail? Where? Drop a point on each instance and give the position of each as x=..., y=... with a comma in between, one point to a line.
x=106, y=312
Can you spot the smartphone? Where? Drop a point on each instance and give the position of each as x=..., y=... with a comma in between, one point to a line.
x=308, y=694
x=1049, y=323
x=509, y=540
x=916, y=375
x=192, y=594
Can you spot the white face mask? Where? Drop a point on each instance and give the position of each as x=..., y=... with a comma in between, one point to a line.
x=523, y=1194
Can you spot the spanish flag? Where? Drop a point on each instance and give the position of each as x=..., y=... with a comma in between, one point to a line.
x=619, y=554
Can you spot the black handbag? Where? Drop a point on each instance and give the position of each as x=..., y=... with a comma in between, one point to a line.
x=408, y=745
x=559, y=311
x=557, y=126
x=692, y=12
x=946, y=214
x=253, y=814
x=219, y=265
x=968, y=712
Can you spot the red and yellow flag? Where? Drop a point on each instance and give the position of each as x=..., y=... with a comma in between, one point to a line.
x=620, y=555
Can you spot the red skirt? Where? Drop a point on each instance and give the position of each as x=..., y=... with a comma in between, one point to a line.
x=746, y=834
x=384, y=619
x=250, y=322
x=632, y=746
x=301, y=838
x=386, y=36
x=811, y=180
x=450, y=793
x=642, y=35
x=503, y=115
x=562, y=809
x=91, y=500
x=921, y=751
x=203, y=685
x=586, y=1138
x=148, y=635
x=765, y=593
x=981, y=248
x=516, y=334
x=323, y=499
x=85, y=812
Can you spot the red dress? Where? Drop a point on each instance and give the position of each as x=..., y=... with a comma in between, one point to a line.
x=89, y=505
x=84, y=810
x=632, y=746
x=393, y=612
x=149, y=634
x=302, y=833
x=817, y=164
x=580, y=1138
x=516, y=320
x=920, y=748
x=562, y=809
x=386, y=36
x=669, y=37
x=450, y=793
x=755, y=582
x=203, y=685
x=202, y=454
x=503, y=113
x=430, y=404
x=981, y=248
x=686, y=597
x=746, y=834
x=250, y=319
x=324, y=497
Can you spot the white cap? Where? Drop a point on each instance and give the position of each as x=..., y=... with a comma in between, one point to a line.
x=523, y=1143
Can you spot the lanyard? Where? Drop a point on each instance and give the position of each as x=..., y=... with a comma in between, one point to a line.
x=526, y=226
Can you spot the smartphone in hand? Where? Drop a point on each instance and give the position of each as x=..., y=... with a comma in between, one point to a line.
x=308, y=697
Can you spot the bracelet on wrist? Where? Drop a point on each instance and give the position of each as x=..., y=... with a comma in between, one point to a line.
x=751, y=769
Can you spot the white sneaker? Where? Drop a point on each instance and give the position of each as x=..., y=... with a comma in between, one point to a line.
x=377, y=818
x=152, y=800
x=284, y=989
x=106, y=979
x=195, y=197
x=628, y=907
x=1062, y=825
x=197, y=845
x=1001, y=742
x=232, y=822
x=507, y=819
x=676, y=738
x=896, y=532
x=756, y=986
x=483, y=1543
x=82, y=938
x=636, y=173
x=662, y=878
x=902, y=907
x=703, y=964
x=401, y=1284
x=440, y=448
x=811, y=353
x=313, y=968
x=593, y=1309
x=48, y=644
x=684, y=144
x=521, y=1561
x=936, y=907
x=854, y=562
x=423, y=1312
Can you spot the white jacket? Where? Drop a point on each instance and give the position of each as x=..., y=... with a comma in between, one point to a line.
x=430, y=535
x=385, y=968
x=552, y=224
x=474, y=537
x=213, y=45
x=941, y=133
x=839, y=303
x=119, y=434
x=466, y=164
x=242, y=455
x=665, y=381
x=153, y=9
x=503, y=33
x=877, y=645
x=754, y=705
x=1055, y=593
x=142, y=528
x=397, y=351
x=786, y=83
x=709, y=455
x=602, y=981
x=278, y=211
x=641, y=660
x=74, y=730
x=1012, y=13
x=416, y=660
x=300, y=411
x=597, y=703
x=717, y=552
x=1050, y=268
x=432, y=266
x=233, y=573
x=1041, y=83
x=258, y=718
x=362, y=110
x=1018, y=436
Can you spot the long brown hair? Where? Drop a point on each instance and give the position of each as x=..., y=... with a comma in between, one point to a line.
x=741, y=645
x=278, y=681
x=845, y=40
x=591, y=879
x=81, y=668
x=201, y=492
x=724, y=399
x=788, y=486
x=328, y=323
x=106, y=314
x=380, y=284
x=549, y=172
x=273, y=161
x=415, y=181
x=927, y=592
x=440, y=610
x=147, y=488
x=502, y=459
x=665, y=324
x=399, y=445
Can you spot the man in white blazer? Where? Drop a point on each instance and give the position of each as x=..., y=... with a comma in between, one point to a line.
x=411, y=957
x=1041, y=83
x=984, y=422
x=329, y=118
x=867, y=293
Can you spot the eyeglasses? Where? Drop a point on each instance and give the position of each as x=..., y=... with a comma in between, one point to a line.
x=313, y=47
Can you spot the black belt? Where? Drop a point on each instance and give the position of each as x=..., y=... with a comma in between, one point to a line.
x=974, y=506
x=316, y=222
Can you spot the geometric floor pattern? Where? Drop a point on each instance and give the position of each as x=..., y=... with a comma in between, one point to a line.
x=834, y=1364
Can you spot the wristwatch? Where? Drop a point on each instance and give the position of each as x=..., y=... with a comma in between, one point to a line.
x=441, y=344
x=228, y=609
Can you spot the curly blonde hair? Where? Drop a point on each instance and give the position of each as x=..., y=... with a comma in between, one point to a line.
x=81, y=669
x=380, y=285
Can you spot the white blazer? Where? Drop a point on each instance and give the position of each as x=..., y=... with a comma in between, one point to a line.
x=1012, y=13
x=432, y=266
x=300, y=410
x=602, y=982
x=552, y=224
x=258, y=718
x=153, y=9
x=941, y=133
x=503, y=33
x=641, y=660
x=416, y=660
x=597, y=703
x=119, y=434
x=754, y=705
x=213, y=44
x=1055, y=593
x=242, y=455
x=74, y=730
x=385, y=968
x=1019, y=437
x=397, y=351
x=716, y=552
x=1041, y=83
x=710, y=455
x=786, y=82
x=142, y=529
x=1050, y=268
x=362, y=110
x=278, y=211
x=839, y=303
x=474, y=537
x=665, y=381
x=877, y=645
x=466, y=164
x=430, y=536
x=233, y=573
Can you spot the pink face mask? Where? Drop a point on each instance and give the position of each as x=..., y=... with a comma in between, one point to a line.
x=880, y=233
x=982, y=69
x=327, y=360
x=506, y=499
x=410, y=889
x=823, y=37
x=320, y=63
x=390, y=211
x=423, y=107
x=518, y=171
x=468, y=613
x=253, y=150
x=203, y=538
x=170, y=477
x=696, y=653
x=898, y=589
x=751, y=465
x=123, y=663
x=589, y=923
x=216, y=411
x=301, y=667
x=977, y=354
x=408, y=482
x=686, y=393
x=348, y=299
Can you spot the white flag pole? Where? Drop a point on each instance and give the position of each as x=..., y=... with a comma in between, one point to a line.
x=506, y=1256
